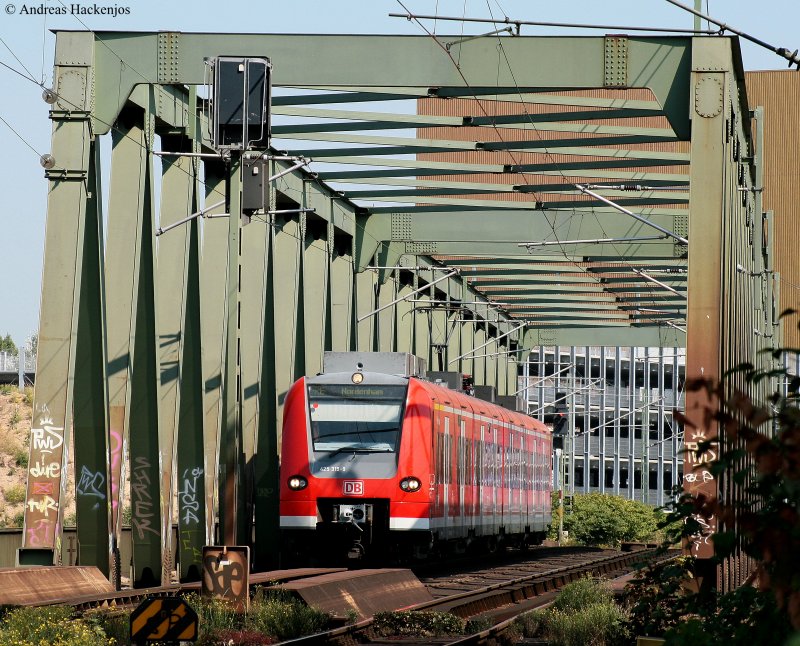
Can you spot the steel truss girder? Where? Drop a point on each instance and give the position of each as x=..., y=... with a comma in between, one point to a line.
x=660, y=64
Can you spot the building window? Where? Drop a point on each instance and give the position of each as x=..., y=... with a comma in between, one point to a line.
x=594, y=475
x=578, y=474
x=609, y=476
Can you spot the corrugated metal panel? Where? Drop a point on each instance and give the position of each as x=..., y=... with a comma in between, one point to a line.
x=779, y=93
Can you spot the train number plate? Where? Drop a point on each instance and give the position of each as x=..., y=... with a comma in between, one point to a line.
x=353, y=487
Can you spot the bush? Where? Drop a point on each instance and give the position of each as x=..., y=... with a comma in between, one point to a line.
x=14, y=494
x=116, y=625
x=581, y=594
x=417, y=624
x=477, y=625
x=584, y=613
x=603, y=519
x=280, y=615
x=214, y=615
x=595, y=625
x=21, y=457
x=28, y=395
x=531, y=624
x=49, y=626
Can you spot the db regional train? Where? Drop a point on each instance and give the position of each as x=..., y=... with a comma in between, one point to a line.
x=379, y=464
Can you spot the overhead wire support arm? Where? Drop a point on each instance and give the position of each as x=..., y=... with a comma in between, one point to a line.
x=641, y=273
x=480, y=347
x=622, y=209
x=547, y=243
x=301, y=162
x=203, y=213
x=495, y=32
x=402, y=298
x=780, y=51
x=169, y=153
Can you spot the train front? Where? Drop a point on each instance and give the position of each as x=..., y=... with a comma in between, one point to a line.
x=339, y=465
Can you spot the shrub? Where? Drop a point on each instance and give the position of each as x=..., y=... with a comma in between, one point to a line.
x=584, y=612
x=478, y=625
x=595, y=625
x=7, y=389
x=49, y=626
x=9, y=444
x=17, y=519
x=280, y=615
x=602, y=519
x=531, y=624
x=14, y=494
x=214, y=615
x=116, y=625
x=28, y=395
x=21, y=457
x=417, y=624
x=581, y=594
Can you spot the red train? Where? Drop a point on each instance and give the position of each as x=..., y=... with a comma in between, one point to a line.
x=375, y=464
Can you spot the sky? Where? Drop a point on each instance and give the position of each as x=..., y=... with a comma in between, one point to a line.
x=26, y=45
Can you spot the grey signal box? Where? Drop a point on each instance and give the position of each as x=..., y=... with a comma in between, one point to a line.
x=242, y=96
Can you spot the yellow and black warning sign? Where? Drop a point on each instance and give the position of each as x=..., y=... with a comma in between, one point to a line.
x=164, y=619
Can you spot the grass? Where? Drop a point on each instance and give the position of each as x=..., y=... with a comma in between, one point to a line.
x=14, y=494
x=15, y=418
x=278, y=614
x=583, y=614
x=274, y=615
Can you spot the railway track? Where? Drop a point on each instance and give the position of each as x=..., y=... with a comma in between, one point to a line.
x=514, y=589
x=509, y=585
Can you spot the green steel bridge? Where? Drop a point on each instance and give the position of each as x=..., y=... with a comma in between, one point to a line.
x=464, y=200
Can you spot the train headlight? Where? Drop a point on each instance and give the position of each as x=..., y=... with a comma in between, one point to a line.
x=357, y=377
x=297, y=483
x=410, y=484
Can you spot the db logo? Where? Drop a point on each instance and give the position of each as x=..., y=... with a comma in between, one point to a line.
x=353, y=488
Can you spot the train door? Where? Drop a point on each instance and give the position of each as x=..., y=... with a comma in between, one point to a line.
x=480, y=473
x=463, y=468
x=437, y=475
x=497, y=478
x=447, y=475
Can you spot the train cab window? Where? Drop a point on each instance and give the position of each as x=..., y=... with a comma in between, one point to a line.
x=347, y=417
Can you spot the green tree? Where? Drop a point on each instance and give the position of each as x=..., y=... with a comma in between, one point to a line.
x=7, y=345
x=602, y=519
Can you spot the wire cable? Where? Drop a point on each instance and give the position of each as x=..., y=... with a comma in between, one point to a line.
x=550, y=155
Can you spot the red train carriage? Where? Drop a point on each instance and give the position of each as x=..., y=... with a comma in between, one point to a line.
x=392, y=466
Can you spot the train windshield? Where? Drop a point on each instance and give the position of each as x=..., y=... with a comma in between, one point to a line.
x=360, y=418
